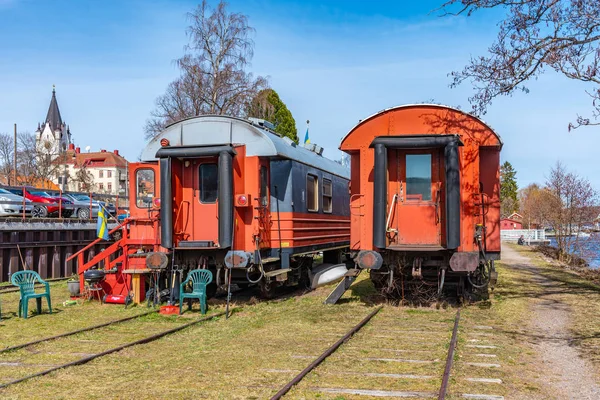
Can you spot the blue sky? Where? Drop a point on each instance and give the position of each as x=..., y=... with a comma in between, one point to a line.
x=333, y=62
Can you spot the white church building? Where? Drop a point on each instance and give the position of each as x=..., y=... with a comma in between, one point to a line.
x=53, y=135
x=107, y=171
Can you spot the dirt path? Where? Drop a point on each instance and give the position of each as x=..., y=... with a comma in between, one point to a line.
x=568, y=375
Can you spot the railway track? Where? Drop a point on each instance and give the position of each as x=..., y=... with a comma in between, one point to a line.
x=22, y=355
x=413, y=362
x=15, y=356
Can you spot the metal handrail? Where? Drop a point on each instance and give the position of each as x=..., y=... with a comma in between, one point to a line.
x=126, y=221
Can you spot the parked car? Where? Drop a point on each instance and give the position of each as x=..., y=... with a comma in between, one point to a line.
x=81, y=205
x=47, y=205
x=12, y=204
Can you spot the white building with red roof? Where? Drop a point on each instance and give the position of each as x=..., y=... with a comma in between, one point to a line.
x=100, y=172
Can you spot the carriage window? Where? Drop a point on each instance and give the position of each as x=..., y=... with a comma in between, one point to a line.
x=209, y=183
x=312, y=193
x=418, y=177
x=327, y=203
x=264, y=188
x=144, y=188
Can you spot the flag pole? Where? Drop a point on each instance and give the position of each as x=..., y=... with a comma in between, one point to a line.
x=306, y=137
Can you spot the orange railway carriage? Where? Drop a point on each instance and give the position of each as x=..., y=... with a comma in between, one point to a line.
x=229, y=194
x=424, y=202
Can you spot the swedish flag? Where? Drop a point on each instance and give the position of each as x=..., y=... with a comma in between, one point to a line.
x=102, y=226
x=306, y=138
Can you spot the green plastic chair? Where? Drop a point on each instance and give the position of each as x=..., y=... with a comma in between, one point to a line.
x=200, y=278
x=25, y=280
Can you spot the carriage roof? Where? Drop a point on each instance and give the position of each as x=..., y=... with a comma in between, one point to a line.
x=207, y=130
x=433, y=118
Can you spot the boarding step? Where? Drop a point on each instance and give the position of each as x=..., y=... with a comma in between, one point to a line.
x=277, y=272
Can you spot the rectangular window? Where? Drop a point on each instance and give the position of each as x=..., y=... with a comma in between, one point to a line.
x=327, y=196
x=209, y=183
x=109, y=186
x=144, y=187
x=264, y=187
x=312, y=193
x=109, y=174
x=418, y=177
x=100, y=174
x=101, y=186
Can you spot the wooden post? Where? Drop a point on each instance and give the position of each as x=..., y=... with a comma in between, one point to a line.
x=29, y=253
x=15, y=159
x=56, y=266
x=68, y=268
x=43, y=256
x=13, y=266
x=3, y=274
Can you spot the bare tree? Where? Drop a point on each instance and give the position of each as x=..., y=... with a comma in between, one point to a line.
x=534, y=204
x=570, y=207
x=213, y=76
x=34, y=166
x=6, y=157
x=84, y=180
x=561, y=35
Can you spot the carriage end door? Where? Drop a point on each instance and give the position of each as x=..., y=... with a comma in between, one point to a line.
x=205, y=209
x=415, y=197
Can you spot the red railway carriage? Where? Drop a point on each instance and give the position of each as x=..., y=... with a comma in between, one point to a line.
x=229, y=194
x=425, y=209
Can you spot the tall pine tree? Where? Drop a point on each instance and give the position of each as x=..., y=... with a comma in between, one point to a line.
x=509, y=201
x=268, y=106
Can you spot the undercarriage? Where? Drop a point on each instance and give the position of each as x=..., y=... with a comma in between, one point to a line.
x=422, y=278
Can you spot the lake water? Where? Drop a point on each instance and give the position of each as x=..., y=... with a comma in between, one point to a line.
x=589, y=249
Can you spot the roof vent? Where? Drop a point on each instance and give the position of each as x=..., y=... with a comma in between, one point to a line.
x=289, y=141
x=314, y=148
x=262, y=122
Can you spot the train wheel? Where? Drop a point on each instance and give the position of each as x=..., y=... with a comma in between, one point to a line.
x=380, y=280
x=267, y=289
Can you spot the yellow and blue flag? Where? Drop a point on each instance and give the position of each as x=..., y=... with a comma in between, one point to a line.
x=306, y=138
x=102, y=226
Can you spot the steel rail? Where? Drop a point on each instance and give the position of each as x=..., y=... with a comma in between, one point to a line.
x=90, y=328
x=323, y=356
x=449, y=359
x=85, y=360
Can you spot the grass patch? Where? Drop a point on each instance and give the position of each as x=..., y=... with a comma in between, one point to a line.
x=263, y=345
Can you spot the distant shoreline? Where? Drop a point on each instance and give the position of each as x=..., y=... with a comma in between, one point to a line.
x=576, y=263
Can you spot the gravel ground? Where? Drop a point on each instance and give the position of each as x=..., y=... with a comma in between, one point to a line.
x=568, y=375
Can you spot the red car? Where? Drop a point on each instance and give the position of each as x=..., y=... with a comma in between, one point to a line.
x=44, y=204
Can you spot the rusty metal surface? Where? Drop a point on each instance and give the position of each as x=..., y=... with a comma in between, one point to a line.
x=464, y=261
x=369, y=259
x=157, y=260
x=450, y=358
x=85, y=360
x=90, y=328
x=45, y=251
x=323, y=356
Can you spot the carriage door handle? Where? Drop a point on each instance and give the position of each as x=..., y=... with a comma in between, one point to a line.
x=437, y=203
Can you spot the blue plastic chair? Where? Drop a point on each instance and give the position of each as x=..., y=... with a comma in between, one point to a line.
x=200, y=278
x=26, y=280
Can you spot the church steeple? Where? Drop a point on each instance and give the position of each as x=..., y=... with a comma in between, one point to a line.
x=53, y=136
x=53, y=117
